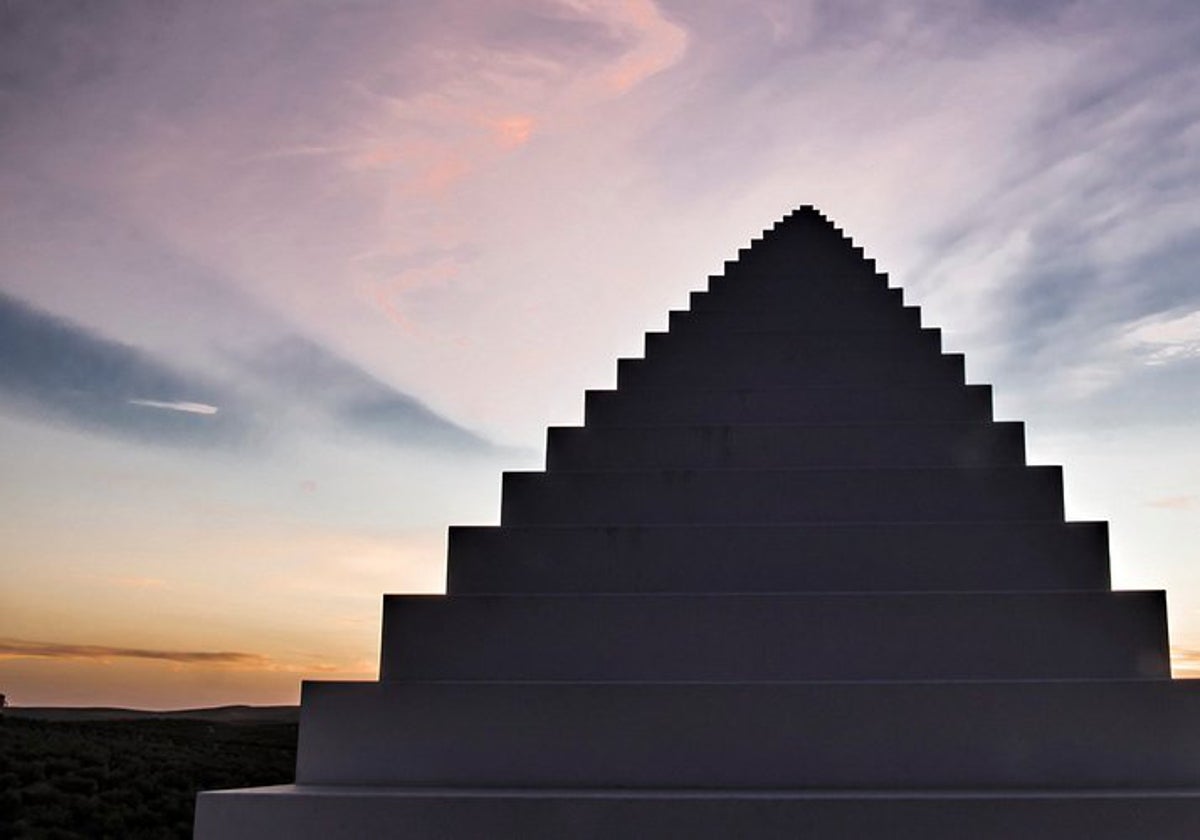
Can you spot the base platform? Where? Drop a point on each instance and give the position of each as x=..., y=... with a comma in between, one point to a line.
x=350, y=813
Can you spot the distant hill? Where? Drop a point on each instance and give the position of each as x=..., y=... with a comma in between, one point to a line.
x=217, y=714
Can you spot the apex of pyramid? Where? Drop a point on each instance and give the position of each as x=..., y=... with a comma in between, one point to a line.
x=806, y=217
x=806, y=210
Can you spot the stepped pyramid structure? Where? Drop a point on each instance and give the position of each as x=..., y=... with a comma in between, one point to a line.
x=790, y=579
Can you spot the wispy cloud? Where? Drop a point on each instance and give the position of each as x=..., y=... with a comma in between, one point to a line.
x=186, y=407
x=1165, y=339
x=655, y=42
x=299, y=375
x=57, y=370
x=22, y=648
x=1094, y=210
x=233, y=660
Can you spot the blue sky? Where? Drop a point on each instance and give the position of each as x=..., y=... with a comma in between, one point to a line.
x=284, y=286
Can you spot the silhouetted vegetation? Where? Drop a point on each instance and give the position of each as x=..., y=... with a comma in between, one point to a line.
x=129, y=778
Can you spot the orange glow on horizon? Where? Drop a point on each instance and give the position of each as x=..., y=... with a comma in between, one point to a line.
x=1185, y=663
x=56, y=674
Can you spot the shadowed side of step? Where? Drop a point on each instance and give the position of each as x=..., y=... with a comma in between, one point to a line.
x=818, y=308
x=849, y=368
x=709, y=406
x=967, y=556
x=693, y=345
x=343, y=812
x=780, y=446
x=778, y=637
x=940, y=735
x=885, y=317
x=770, y=496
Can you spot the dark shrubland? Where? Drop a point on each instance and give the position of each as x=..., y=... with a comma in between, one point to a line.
x=129, y=778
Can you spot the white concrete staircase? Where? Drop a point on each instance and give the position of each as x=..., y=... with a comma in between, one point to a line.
x=790, y=579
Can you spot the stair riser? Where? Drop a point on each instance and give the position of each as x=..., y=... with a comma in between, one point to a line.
x=837, y=282
x=1138, y=735
x=888, y=319
x=809, y=303
x=801, y=289
x=821, y=293
x=676, y=406
x=803, y=263
x=779, y=267
x=927, y=557
x=777, y=496
x=352, y=814
x=775, y=321
x=801, y=256
x=774, y=638
x=835, y=370
x=694, y=346
x=742, y=447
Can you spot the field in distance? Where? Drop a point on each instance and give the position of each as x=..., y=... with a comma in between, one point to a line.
x=121, y=773
x=216, y=714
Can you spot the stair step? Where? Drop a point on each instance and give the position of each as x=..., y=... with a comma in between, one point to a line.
x=693, y=345
x=1069, y=734
x=348, y=812
x=858, y=292
x=706, y=447
x=889, y=317
x=779, y=263
x=756, y=286
x=805, y=261
x=775, y=637
x=717, y=406
x=847, y=368
x=811, y=304
x=967, y=556
x=902, y=494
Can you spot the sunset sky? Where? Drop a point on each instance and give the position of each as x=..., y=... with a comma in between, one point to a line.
x=285, y=285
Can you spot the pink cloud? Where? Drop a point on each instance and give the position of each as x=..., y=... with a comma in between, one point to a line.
x=441, y=174
x=512, y=131
x=659, y=44
x=389, y=294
